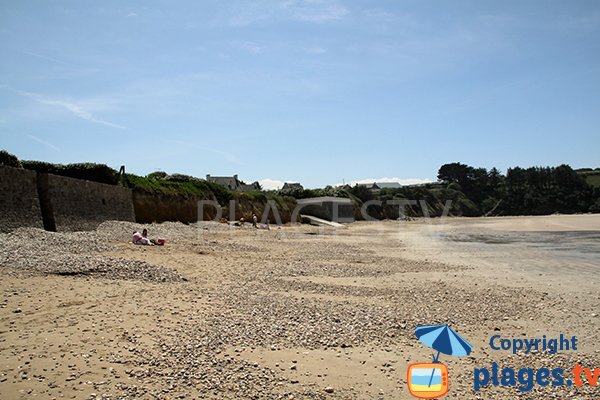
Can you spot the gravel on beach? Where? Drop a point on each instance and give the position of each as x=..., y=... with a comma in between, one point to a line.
x=239, y=301
x=32, y=250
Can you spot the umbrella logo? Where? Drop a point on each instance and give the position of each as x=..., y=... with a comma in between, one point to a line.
x=430, y=380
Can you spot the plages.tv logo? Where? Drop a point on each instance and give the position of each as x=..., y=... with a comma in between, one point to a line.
x=429, y=380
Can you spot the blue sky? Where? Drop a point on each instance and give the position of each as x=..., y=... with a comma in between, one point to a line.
x=318, y=91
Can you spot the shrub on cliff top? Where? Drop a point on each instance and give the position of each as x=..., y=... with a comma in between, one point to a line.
x=9, y=160
x=88, y=171
x=178, y=184
x=157, y=175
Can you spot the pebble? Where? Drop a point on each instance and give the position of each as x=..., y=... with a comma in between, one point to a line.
x=68, y=253
x=203, y=352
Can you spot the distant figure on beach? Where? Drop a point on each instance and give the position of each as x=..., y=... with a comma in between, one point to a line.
x=141, y=238
x=145, y=236
x=254, y=220
x=158, y=242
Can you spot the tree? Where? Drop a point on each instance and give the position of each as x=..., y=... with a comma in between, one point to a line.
x=454, y=173
x=9, y=160
x=362, y=192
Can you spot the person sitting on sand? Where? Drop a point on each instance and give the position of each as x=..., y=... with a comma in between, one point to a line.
x=158, y=242
x=145, y=235
x=138, y=238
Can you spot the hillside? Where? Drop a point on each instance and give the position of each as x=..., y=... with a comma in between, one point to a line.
x=592, y=176
x=168, y=197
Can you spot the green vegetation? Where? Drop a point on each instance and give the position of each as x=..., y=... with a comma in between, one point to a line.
x=592, y=176
x=88, y=171
x=9, y=160
x=159, y=182
x=477, y=192
x=472, y=191
x=178, y=184
x=326, y=191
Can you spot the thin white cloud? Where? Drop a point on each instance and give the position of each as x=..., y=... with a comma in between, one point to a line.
x=48, y=144
x=314, y=50
x=250, y=47
x=43, y=57
x=232, y=158
x=74, y=108
x=402, y=181
x=313, y=11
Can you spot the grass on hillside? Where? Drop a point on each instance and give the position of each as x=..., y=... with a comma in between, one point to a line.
x=593, y=179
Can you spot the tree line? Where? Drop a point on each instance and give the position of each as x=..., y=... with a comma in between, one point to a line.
x=522, y=191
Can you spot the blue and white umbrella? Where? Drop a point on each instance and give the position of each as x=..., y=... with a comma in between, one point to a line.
x=443, y=339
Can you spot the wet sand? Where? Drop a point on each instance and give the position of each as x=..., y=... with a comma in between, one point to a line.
x=561, y=251
x=300, y=312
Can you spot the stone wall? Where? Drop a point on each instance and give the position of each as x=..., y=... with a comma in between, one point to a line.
x=58, y=203
x=151, y=207
x=19, y=204
x=73, y=204
x=328, y=208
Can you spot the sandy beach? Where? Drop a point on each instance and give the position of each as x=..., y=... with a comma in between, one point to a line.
x=291, y=313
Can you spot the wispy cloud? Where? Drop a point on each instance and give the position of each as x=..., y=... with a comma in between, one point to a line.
x=43, y=57
x=313, y=11
x=232, y=158
x=48, y=144
x=72, y=107
x=251, y=47
x=314, y=50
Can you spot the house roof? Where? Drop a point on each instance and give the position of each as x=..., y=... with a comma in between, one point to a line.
x=222, y=178
x=251, y=186
x=292, y=185
x=369, y=185
x=388, y=185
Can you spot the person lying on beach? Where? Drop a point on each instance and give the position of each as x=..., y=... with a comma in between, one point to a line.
x=158, y=242
x=138, y=238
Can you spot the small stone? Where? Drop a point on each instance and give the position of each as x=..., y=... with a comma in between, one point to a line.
x=329, y=389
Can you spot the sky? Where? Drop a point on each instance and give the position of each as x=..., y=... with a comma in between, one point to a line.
x=312, y=91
